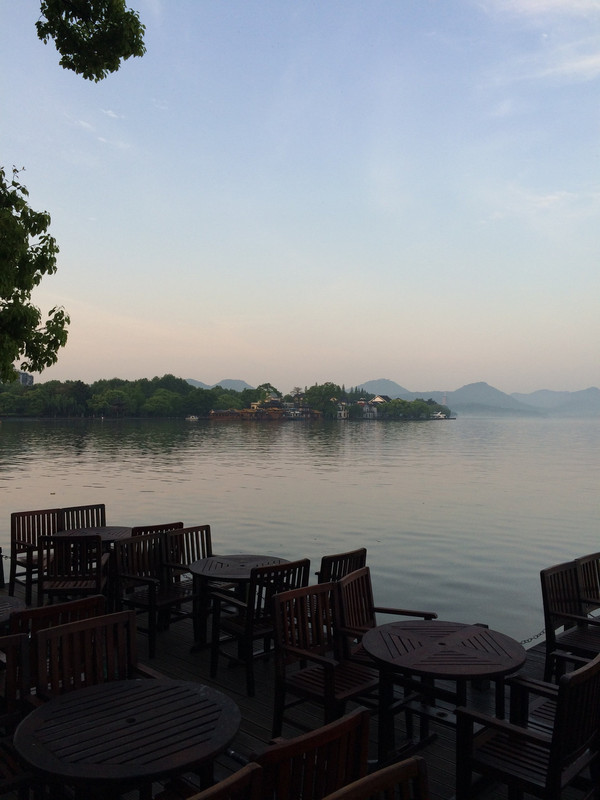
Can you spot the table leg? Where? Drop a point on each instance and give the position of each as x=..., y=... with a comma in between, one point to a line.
x=386, y=716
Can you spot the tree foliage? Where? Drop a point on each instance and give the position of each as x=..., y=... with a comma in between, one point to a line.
x=27, y=253
x=92, y=36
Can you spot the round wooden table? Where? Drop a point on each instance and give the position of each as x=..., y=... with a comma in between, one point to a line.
x=125, y=734
x=437, y=650
x=231, y=569
x=108, y=533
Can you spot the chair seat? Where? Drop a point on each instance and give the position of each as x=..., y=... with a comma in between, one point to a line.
x=182, y=592
x=70, y=586
x=526, y=761
x=350, y=680
x=581, y=639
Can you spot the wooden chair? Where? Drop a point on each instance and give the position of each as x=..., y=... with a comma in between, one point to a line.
x=14, y=776
x=80, y=517
x=308, y=664
x=358, y=612
x=72, y=566
x=405, y=779
x=246, y=621
x=336, y=566
x=186, y=545
x=530, y=760
x=143, y=530
x=30, y=620
x=145, y=583
x=318, y=762
x=588, y=575
x=87, y=652
x=245, y=784
x=26, y=528
x=568, y=628
x=16, y=680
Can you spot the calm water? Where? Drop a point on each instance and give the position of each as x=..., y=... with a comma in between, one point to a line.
x=458, y=516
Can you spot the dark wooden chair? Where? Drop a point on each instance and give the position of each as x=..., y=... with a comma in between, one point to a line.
x=335, y=566
x=246, y=621
x=143, y=530
x=26, y=528
x=71, y=566
x=88, y=652
x=568, y=628
x=308, y=662
x=145, y=583
x=30, y=620
x=405, y=779
x=245, y=784
x=528, y=759
x=358, y=612
x=588, y=575
x=318, y=762
x=14, y=775
x=80, y=517
x=186, y=545
x=16, y=680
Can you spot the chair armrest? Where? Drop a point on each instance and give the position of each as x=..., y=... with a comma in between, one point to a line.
x=147, y=581
x=306, y=655
x=405, y=612
x=143, y=671
x=221, y=597
x=464, y=715
x=540, y=688
x=26, y=545
x=579, y=618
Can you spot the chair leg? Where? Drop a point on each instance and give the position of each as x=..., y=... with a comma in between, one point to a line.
x=278, y=708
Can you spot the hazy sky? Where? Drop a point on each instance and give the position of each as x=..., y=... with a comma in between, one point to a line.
x=305, y=191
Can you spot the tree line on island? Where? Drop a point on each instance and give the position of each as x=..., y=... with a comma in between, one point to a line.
x=170, y=396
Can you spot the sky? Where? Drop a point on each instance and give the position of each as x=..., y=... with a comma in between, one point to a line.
x=300, y=192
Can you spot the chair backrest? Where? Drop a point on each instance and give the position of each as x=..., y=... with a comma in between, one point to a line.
x=30, y=620
x=71, y=558
x=319, y=762
x=266, y=582
x=16, y=676
x=245, y=784
x=405, y=780
x=86, y=652
x=304, y=620
x=141, y=556
x=336, y=566
x=27, y=526
x=79, y=517
x=577, y=718
x=560, y=595
x=186, y=545
x=588, y=575
x=144, y=530
x=356, y=604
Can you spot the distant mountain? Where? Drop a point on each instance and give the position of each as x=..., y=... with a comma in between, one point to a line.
x=481, y=398
x=226, y=383
x=584, y=403
x=383, y=386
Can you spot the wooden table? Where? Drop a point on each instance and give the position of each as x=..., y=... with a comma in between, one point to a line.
x=124, y=735
x=234, y=568
x=108, y=533
x=435, y=650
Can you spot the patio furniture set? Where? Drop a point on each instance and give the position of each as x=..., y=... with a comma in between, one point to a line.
x=74, y=685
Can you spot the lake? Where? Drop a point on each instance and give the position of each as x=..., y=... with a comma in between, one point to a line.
x=458, y=516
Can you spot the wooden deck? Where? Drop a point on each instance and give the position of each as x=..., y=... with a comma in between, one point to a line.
x=175, y=659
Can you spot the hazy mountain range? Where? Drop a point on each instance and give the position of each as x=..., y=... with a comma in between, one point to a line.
x=477, y=399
